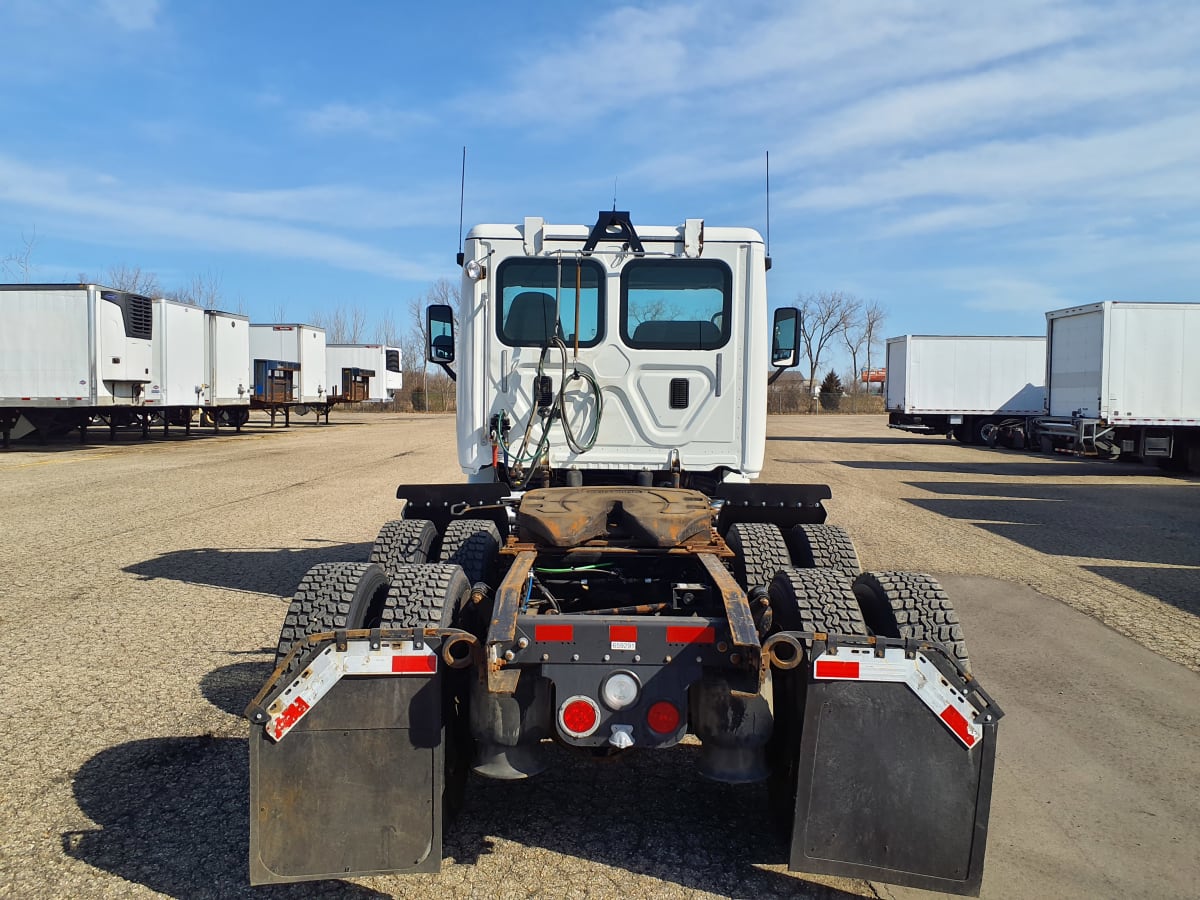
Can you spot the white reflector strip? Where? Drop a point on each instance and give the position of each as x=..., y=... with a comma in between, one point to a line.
x=314, y=682
x=945, y=701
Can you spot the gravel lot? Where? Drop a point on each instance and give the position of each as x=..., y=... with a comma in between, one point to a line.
x=143, y=585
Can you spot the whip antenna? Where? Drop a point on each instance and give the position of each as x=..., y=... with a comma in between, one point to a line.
x=768, y=255
x=462, y=192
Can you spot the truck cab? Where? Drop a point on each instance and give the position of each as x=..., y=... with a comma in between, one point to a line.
x=609, y=354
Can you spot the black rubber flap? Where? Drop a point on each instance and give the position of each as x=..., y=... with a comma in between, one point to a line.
x=885, y=792
x=354, y=789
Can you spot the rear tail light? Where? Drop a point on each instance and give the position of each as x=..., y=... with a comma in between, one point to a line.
x=579, y=716
x=663, y=717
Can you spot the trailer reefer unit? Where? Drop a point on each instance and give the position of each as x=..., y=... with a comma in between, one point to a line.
x=1124, y=378
x=226, y=360
x=961, y=384
x=67, y=349
x=362, y=372
x=609, y=579
x=177, y=372
x=303, y=345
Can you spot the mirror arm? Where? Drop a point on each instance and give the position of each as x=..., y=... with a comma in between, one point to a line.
x=449, y=371
x=774, y=377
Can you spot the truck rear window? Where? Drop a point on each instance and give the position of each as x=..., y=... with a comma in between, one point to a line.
x=675, y=304
x=537, y=301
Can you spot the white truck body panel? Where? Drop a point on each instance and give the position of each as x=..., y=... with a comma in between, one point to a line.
x=303, y=344
x=73, y=345
x=226, y=359
x=724, y=423
x=965, y=374
x=1125, y=363
x=374, y=357
x=177, y=373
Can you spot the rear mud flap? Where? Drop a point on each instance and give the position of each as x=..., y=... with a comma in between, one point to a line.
x=355, y=787
x=889, y=786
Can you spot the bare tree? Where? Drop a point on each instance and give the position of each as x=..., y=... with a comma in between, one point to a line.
x=854, y=336
x=345, y=324
x=823, y=316
x=18, y=265
x=134, y=279
x=874, y=316
x=203, y=290
x=279, y=311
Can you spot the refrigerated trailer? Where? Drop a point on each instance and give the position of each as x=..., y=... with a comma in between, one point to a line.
x=71, y=353
x=362, y=372
x=1123, y=379
x=960, y=385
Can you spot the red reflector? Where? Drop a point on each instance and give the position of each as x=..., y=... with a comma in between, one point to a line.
x=579, y=717
x=958, y=725
x=662, y=717
x=554, y=632
x=415, y=664
x=836, y=668
x=290, y=715
x=622, y=633
x=690, y=634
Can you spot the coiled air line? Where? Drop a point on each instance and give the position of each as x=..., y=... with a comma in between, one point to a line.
x=555, y=407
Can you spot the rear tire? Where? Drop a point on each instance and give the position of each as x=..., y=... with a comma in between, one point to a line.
x=331, y=596
x=815, y=600
x=908, y=605
x=823, y=547
x=760, y=551
x=427, y=596
x=473, y=544
x=404, y=542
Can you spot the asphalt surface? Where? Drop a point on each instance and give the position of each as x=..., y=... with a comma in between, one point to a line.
x=143, y=586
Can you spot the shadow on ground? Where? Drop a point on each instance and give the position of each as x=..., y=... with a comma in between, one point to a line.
x=1156, y=524
x=231, y=688
x=263, y=570
x=172, y=815
x=889, y=439
x=998, y=463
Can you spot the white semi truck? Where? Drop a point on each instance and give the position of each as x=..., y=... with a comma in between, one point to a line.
x=962, y=385
x=71, y=354
x=611, y=578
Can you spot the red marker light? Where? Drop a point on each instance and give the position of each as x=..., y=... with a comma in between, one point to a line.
x=663, y=717
x=579, y=716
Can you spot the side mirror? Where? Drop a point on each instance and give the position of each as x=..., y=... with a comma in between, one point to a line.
x=439, y=320
x=785, y=338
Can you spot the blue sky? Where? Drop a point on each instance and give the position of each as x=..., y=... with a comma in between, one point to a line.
x=968, y=166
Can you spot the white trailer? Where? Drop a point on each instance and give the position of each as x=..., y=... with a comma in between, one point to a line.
x=302, y=346
x=369, y=372
x=1124, y=378
x=226, y=359
x=177, y=370
x=962, y=384
x=68, y=351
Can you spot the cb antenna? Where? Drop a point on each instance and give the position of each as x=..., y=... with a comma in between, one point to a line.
x=614, y=193
x=768, y=255
x=462, y=192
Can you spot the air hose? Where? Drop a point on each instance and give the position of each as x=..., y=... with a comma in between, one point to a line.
x=555, y=410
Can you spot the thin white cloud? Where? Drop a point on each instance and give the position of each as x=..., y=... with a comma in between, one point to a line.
x=1044, y=167
x=132, y=15
x=96, y=208
x=374, y=121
